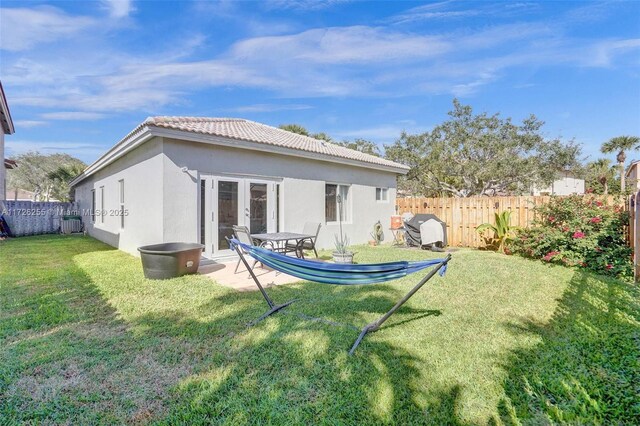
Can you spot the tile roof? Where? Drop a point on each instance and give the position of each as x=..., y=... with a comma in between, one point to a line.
x=241, y=129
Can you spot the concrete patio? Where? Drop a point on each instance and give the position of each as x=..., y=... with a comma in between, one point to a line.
x=223, y=274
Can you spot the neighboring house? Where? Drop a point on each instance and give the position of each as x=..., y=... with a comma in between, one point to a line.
x=7, y=129
x=567, y=184
x=632, y=177
x=23, y=195
x=191, y=179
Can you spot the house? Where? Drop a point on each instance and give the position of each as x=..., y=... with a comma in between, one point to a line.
x=566, y=184
x=14, y=194
x=632, y=177
x=7, y=129
x=191, y=179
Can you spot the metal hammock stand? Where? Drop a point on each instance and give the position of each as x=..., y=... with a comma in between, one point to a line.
x=392, y=270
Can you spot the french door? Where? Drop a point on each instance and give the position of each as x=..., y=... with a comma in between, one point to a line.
x=228, y=201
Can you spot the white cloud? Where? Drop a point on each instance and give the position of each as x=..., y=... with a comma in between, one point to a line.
x=72, y=115
x=337, y=61
x=605, y=52
x=118, y=8
x=449, y=10
x=305, y=5
x=27, y=124
x=387, y=133
x=271, y=107
x=23, y=28
x=341, y=45
x=84, y=151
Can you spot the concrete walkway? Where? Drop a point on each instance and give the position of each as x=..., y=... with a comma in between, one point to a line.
x=223, y=274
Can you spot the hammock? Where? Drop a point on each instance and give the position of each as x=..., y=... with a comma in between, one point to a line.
x=340, y=274
x=335, y=273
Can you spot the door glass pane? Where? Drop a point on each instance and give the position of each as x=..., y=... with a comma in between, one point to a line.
x=258, y=208
x=278, y=208
x=227, y=211
x=203, y=210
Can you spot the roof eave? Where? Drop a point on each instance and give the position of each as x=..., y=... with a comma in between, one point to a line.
x=145, y=132
x=274, y=149
x=7, y=122
x=137, y=137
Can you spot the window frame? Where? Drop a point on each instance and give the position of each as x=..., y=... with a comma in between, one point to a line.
x=384, y=191
x=346, y=209
x=93, y=206
x=102, y=205
x=121, y=195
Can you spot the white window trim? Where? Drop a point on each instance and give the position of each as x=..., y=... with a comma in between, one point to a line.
x=349, y=211
x=121, y=199
x=386, y=192
x=94, y=205
x=102, y=205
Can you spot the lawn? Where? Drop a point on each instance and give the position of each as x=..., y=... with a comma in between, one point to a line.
x=85, y=339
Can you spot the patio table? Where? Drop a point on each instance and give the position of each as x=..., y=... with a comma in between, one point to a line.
x=279, y=241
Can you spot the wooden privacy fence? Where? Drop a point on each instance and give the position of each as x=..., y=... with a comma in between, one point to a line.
x=463, y=215
x=35, y=218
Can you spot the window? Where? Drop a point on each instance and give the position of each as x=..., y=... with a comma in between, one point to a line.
x=121, y=185
x=93, y=206
x=337, y=203
x=382, y=194
x=102, y=204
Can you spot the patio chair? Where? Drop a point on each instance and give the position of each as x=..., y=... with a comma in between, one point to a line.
x=310, y=228
x=243, y=235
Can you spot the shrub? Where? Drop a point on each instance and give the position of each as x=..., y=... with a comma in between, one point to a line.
x=579, y=231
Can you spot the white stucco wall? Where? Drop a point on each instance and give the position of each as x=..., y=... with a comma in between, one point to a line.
x=141, y=170
x=631, y=180
x=163, y=200
x=302, y=189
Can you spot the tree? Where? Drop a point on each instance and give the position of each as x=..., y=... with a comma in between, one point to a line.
x=47, y=176
x=294, y=128
x=61, y=176
x=322, y=136
x=621, y=144
x=600, y=175
x=479, y=154
x=361, y=145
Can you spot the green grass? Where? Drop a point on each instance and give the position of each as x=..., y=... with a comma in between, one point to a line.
x=85, y=339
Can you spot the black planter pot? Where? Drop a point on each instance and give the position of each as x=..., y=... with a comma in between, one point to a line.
x=170, y=260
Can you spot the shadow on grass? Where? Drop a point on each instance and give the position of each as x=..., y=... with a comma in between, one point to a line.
x=68, y=355
x=586, y=370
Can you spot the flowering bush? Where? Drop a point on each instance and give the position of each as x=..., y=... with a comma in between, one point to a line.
x=578, y=231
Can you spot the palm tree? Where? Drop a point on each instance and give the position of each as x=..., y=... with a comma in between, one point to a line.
x=621, y=144
x=601, y=172
x=294, y=128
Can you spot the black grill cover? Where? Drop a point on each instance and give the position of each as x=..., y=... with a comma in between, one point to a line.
x=412, y=227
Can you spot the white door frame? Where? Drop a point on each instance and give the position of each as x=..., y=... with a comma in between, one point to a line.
x=211, y=210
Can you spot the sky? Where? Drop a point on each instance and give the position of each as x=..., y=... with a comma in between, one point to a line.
x=79, y=76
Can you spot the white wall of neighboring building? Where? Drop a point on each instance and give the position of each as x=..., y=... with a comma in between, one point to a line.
x=631, y=178
x=566, y=185
x=162, y=190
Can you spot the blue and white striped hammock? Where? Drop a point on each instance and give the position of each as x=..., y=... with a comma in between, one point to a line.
x=335, y=273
